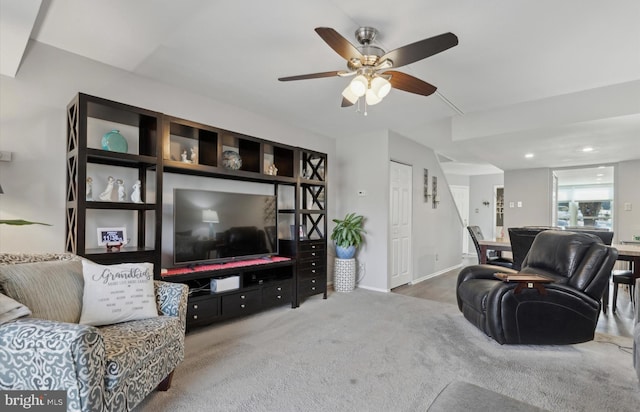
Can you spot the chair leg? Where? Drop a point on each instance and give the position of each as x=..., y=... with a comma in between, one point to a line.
x=605, y=299
x=166, y=383
x=615, y=297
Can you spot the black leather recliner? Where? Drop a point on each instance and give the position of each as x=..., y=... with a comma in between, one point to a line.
x=578, y=263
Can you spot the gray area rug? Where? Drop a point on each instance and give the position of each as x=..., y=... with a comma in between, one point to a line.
x=463, y=396
x=370, y=351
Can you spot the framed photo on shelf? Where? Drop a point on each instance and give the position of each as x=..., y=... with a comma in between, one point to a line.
x=108, y=236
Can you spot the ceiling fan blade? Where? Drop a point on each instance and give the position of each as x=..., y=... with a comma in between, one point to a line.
x=311, y=76
x=346, y=103
x=338, y=43
x=419, y=50
x=402, y=81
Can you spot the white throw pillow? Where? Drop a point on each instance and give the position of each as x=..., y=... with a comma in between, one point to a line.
x=117, y=293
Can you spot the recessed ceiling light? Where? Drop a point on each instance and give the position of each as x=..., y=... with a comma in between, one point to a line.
x=600, y=174
x=587, y=149
x=529, y=155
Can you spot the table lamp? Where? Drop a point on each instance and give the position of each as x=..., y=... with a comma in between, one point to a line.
x=210, y=216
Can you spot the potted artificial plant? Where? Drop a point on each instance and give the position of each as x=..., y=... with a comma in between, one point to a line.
x=347, y=235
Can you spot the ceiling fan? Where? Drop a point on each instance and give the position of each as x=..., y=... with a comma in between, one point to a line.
x=372, y=66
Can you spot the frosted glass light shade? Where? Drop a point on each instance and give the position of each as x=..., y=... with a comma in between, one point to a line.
x=372, y=98
x=380, y=86
x=349, y=95
x=359, y=85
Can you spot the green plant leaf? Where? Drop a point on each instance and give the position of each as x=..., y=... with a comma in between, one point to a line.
x=21, y=222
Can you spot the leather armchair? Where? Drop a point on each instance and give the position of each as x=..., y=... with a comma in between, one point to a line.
x=579, y=265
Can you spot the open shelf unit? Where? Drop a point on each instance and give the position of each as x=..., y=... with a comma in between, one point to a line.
x=88, y=167
x=159, y=144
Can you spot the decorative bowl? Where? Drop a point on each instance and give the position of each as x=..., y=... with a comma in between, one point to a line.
x=113, y=141
x=231, y=160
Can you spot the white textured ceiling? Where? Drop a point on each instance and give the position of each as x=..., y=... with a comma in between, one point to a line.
x=516, y=62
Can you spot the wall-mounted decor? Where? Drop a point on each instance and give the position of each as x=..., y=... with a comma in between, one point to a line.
x=434, y=193
x=426, y=185
x=500, y=206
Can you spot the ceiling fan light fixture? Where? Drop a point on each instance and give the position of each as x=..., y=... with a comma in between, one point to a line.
x=380, y=86
x=372, y=98
x=359, y=85
x=349, y=95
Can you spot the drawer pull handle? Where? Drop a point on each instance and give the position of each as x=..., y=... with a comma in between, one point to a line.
x=195, y=316
x=242, y=306
x=313, y=271
x=313, y=246
x=313, y=263
x=195, y=306
x=313, y=288
x=279, y=297
x=313, y=281
x=313, y=253
x=242, y=297
x=279, y=289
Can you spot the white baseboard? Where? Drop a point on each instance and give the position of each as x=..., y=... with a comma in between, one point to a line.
x=375, y=289
x=433, y=275
x=413, y=282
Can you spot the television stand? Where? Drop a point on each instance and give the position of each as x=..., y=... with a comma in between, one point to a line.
x=261, y=284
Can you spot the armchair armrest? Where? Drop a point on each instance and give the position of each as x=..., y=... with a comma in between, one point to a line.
x=172, y=299
x=39, y=354
x=636, y=314
x=482, y=272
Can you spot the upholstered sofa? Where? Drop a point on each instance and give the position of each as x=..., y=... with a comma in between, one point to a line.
x=105, y=368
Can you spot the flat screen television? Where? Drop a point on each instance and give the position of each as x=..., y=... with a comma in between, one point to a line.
x=216, y=227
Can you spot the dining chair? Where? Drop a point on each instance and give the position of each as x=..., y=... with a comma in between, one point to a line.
x=476, y=234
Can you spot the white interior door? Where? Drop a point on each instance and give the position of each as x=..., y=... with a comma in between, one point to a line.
x=400, y=216
x=461, y=198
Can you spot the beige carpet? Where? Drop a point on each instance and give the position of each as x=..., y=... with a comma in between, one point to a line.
x=369, y=351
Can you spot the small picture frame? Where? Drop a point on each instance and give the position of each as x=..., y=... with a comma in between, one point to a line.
x=302, y=232
x=110, y=236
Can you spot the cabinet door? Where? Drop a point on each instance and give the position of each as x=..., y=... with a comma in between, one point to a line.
x=277, y=294
x=202, y=309
x=241, y=303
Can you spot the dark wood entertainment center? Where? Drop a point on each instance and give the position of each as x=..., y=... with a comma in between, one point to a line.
x=156, y=143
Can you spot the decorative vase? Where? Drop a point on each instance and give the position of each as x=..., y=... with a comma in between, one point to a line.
x=231, y=160
x=113, y=141
x=345, y=252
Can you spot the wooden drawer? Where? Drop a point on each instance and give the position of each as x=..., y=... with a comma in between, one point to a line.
x=311, y=254
x=241, y=302
x=202, y=309
x=312, y=286
x=311, y=271
x=277, y=294
x=317, y=245
x=311, y=267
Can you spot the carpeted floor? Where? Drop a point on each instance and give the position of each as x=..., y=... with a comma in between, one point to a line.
x=369, y=351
